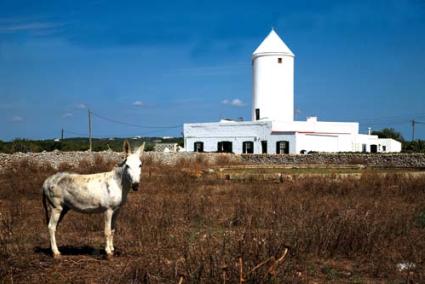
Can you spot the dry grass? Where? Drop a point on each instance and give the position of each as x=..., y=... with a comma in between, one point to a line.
x=181, y=226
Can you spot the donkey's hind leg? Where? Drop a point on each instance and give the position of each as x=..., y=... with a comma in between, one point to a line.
x=53, y=222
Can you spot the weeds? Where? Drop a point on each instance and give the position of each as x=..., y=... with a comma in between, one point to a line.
x=183, y=227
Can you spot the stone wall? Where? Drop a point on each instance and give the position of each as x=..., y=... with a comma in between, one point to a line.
x=399, y=160
x=55, y=158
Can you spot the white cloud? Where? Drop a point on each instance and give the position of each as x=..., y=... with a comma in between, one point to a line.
x=22, y=25
x=67, y=115
x=81, y=106
x=138, y=103
x=233, y=102
x=16, y=118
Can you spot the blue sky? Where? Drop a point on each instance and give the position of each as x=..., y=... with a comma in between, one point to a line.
x=163, y=63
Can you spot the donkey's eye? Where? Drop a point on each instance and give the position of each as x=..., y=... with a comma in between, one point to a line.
x=140, y=165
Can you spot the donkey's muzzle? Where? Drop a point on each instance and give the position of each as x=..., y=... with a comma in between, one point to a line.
x=135, y=186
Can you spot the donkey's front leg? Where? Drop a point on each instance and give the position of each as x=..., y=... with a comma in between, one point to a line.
x=114, y=226
x=108, y=232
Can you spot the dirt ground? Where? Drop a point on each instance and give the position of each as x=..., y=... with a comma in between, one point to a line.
x=189, y=224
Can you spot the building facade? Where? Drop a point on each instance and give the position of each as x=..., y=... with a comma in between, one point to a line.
x=272, y=129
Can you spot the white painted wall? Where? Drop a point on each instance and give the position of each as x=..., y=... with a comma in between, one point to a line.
x=301, y=135
x=236, y=132
x=273, y=87
x=275, y=137
x=273, y=79
x=391, y=145
x=323, y=142
x=314, y=126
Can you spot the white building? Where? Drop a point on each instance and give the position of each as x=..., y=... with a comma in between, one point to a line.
x=273, y=129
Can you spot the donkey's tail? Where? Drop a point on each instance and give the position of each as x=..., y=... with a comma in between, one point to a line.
x=46, y=212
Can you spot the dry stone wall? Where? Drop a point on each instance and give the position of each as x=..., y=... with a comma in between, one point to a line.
x=399, y=160
x=55, y=158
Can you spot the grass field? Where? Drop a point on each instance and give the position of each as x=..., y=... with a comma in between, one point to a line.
x=192, y=227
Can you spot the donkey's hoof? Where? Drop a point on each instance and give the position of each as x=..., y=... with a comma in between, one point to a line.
x=109, y=256
x=57, y=256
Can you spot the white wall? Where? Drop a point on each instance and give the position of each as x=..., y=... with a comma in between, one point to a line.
x=312, y=126
x=236, y=132
x=275, y=137
x=328, y=139
x=273, y=87
x=323, y=142
x=391, y=145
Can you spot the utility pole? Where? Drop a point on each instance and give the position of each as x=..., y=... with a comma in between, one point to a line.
x=90, y=141
x=62, y=134
x=413, y=130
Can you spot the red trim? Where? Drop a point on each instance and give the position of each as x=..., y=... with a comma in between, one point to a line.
x=312, y=132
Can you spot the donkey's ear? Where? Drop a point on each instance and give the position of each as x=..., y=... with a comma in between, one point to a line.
x=127, y=148
x=141, y=149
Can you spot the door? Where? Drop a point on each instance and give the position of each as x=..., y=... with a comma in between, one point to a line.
x=224, y=147
x=198, y=147
x=282, y=147
x=264, y=147
x=248, y=147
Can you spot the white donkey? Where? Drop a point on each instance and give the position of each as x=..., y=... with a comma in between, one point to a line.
x=95, y=193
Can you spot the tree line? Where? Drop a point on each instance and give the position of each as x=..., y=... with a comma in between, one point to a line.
x=415, y=146
x=115, y=144
x=80, y=144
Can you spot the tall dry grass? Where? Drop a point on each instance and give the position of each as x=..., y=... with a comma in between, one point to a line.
x=182, y=226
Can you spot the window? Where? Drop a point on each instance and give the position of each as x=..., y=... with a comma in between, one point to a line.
x=224, y=147
x=279, y=60
x=264, y=147
x=384, y=148
x=282, y=147
x=257, y=114
x=198, y=147
x=364, y=148
x=248, y=147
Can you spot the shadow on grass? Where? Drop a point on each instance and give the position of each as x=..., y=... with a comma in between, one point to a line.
x=71, y=250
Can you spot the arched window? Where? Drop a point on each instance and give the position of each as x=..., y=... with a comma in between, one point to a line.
x=282, y=147
x=198, y=147
x=248, y=147
x=224, y=147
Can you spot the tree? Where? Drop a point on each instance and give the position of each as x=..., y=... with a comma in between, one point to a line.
x=389, y=133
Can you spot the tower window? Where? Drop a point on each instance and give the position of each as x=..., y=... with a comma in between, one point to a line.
x=279, y=60
x=257, y=114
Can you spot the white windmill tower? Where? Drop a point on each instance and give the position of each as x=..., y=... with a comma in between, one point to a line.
x=273, y=80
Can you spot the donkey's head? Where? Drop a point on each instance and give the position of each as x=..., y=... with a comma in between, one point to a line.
x=133, y=164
